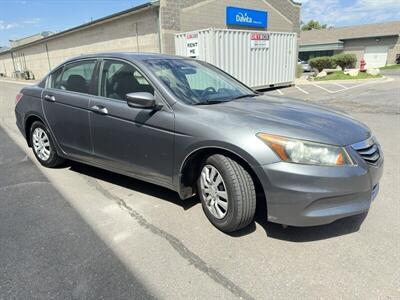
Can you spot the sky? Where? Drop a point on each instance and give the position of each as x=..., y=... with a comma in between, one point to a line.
x=21, y=18
x=339, y=13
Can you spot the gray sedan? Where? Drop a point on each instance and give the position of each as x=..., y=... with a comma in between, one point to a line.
x=190, y=127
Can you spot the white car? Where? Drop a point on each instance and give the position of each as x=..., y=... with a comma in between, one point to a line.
x=304, y=64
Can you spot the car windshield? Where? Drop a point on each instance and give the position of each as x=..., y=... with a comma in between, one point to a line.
x=197, y=83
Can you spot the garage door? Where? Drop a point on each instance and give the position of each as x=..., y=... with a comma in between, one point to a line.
x=376, y=56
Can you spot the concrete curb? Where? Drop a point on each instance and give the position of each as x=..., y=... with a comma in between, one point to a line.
x=354, y=81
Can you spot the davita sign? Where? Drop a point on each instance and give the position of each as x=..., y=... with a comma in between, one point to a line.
x=246, y=17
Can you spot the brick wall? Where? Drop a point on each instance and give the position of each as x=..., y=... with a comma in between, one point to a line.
x=186, y=15
x=134, y=32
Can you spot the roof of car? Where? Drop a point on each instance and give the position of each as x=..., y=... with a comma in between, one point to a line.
x=135, y=56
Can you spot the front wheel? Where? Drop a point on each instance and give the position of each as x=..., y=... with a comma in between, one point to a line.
x=43, y=146
x=227, y=193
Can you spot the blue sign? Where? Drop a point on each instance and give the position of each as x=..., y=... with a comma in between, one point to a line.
x=246, y=17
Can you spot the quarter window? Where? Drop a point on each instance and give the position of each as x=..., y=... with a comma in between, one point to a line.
x=120, y=78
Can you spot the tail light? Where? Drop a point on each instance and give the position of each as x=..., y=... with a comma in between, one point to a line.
x=18, y=97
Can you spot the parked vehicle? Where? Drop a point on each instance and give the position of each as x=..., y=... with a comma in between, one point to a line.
x=190, y=127
x=304, y=64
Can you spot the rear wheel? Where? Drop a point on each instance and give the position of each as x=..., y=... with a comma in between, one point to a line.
x=227, y=193
x=43, y=146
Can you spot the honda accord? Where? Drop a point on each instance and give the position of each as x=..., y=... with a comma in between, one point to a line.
x=188, y=126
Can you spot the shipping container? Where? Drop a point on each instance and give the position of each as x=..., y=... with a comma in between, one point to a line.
x=260, y=59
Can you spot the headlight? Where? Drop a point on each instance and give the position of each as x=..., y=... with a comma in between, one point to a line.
x=304, y=152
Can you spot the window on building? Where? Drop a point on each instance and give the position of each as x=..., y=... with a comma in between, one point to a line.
x=119, y=79
x=306, y=56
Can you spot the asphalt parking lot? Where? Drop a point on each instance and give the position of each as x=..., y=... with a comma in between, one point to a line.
x=83, y=233
x=354, y=96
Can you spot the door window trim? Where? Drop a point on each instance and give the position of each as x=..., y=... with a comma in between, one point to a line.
x=94, y=77
x=157, y=92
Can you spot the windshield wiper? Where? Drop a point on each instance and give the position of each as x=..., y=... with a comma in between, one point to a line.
x=208, y=102
x=244, y=96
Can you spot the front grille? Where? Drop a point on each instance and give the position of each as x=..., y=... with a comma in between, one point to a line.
x=368, y=150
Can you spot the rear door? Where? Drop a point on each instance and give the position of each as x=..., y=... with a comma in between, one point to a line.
x=66, y=106
x=136, y=141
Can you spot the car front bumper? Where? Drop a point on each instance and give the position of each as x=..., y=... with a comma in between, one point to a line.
x=304, y=195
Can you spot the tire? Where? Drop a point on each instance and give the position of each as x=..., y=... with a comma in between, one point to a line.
x=49, y=158
x=240, y=193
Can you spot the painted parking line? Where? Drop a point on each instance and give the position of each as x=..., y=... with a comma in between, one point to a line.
x=301, y=90
x=340, y=85
x=346, y=88
x=322, y=88
x=329, y=87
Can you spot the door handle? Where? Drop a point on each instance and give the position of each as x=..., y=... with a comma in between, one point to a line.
x=99, y=109
x=50, y=98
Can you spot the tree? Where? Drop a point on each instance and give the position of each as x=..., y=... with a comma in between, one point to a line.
x=312, y=24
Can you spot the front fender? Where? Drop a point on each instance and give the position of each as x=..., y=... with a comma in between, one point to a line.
x=214, y=146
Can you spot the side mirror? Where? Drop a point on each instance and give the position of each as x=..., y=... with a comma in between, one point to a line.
x=141, y=100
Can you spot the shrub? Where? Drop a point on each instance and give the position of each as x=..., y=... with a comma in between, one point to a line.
x=323, y=62
x=345, y=61
x=299, y=71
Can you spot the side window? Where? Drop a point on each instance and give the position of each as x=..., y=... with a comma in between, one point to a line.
x=119, y=79
x=77, y=77
x=55, y=78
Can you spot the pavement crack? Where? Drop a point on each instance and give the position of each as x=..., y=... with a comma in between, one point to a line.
x=176, y=244
x=21, y=184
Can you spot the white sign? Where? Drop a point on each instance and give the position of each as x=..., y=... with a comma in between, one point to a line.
x=192, y=44
x=259, y=40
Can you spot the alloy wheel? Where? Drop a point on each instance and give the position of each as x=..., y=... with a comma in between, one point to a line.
x=214, y=191
x=41, y=144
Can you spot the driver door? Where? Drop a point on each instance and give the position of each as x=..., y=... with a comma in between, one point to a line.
x=133, y=140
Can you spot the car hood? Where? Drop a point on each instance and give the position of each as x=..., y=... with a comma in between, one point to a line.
x=293, y=118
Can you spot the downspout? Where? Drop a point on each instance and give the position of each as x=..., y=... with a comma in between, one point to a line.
x=159, y=30
x=12, y=58
x=137, y=37
x=48, y=57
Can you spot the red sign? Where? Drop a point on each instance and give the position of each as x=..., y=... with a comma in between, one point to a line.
x=192, y=36
x=259, y=40
x=257, y=36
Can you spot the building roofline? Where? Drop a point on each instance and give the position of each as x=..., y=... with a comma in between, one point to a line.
x=150, y=4
x=326, y=43
x=340, y=40
x=369, y=37
x=295, y=3
x=361, y=25
x=42, y=33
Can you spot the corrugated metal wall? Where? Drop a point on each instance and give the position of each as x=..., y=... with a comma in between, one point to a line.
x=230, y=50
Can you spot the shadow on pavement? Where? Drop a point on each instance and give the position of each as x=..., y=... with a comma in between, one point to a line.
x=133, y=184
x=47, y=250
x=276, y=231
x=308, y=234
x=302, y=234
